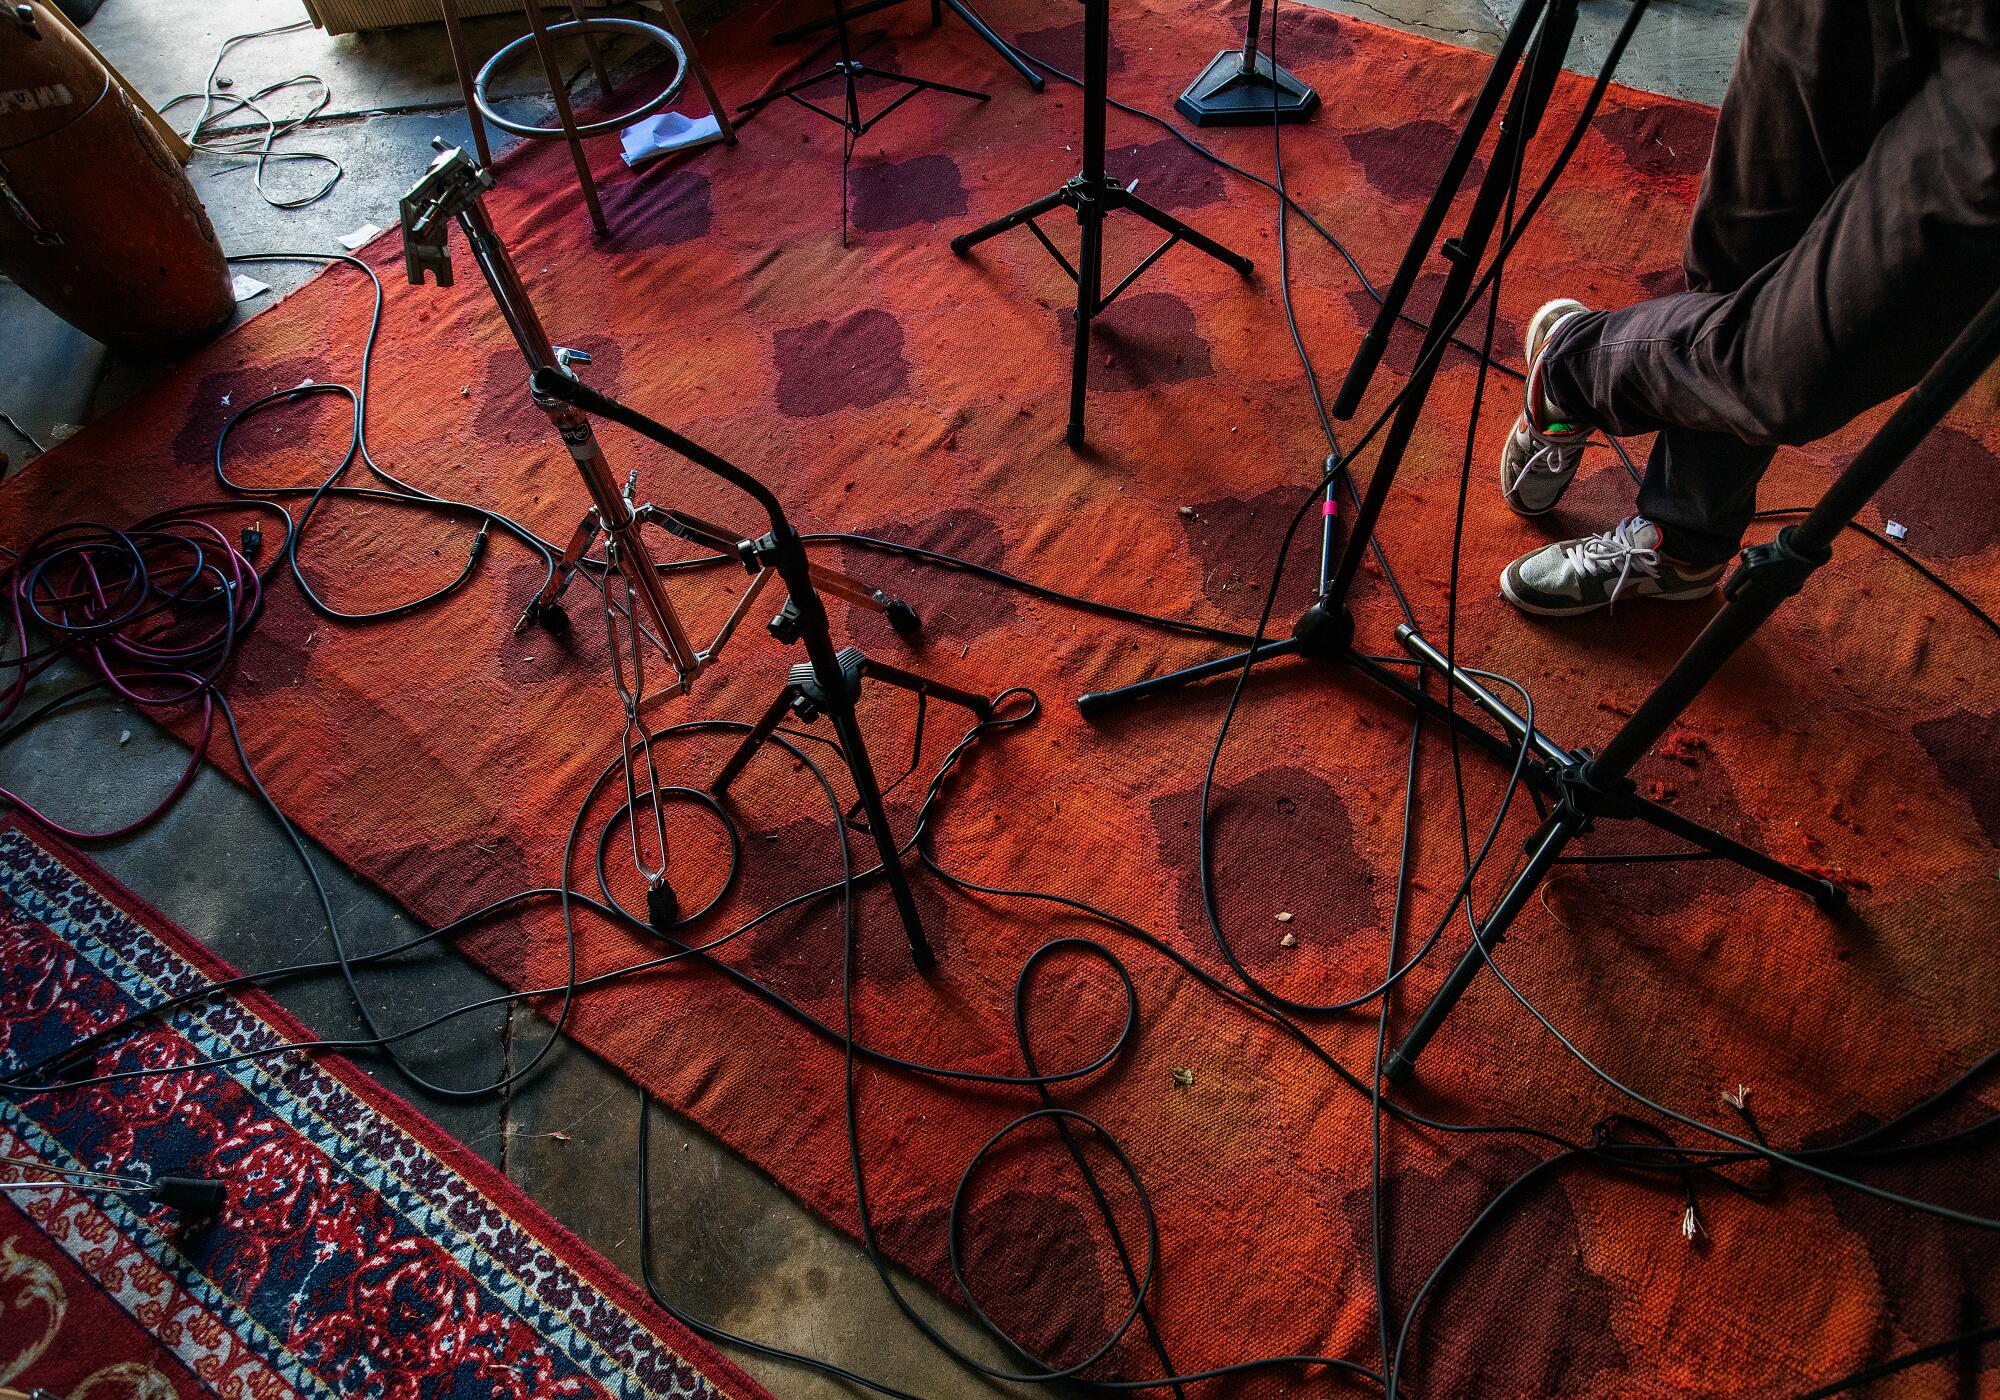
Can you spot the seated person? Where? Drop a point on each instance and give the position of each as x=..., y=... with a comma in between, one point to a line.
x=1848, y=227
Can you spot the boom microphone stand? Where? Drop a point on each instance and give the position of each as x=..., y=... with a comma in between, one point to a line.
x=1767, y=575
x=1534, y=44
x=1094, y=195
x=828, y=681
x=1324, y=632
x=644, y=619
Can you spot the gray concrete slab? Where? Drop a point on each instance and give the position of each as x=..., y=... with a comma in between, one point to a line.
x=48, y=376
x=732, y=1246
x=220, y=867
x=1683, y=48
x=166, y=51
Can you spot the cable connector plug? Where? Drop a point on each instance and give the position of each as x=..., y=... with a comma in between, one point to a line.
x=197, y=1198
x=663, y=907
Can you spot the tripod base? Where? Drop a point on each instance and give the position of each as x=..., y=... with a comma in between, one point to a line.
x=1234, y=92
x=1567, y=779
x=853, y=125
x=958, y=7
x=807, y=695
x=1093, y=198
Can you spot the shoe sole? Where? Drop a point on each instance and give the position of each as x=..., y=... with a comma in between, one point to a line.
x=1686, y=595
x=1538, y=326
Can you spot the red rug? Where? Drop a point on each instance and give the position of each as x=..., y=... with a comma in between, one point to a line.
x=891, y=388
x=358, y=1249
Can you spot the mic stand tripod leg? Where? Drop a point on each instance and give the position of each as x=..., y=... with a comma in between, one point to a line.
x=985, y=31
x=1820, y=890
x=1544, y=847
x=848, y=731
x=546, y=606
x=1089, y=269
x=808, y=695
x=1122, y=198
x=760, y=733
x=1027, y=213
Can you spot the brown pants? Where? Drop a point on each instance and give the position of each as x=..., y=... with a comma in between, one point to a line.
x=1848, y=227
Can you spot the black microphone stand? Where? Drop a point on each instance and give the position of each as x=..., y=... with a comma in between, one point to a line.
x=850, y=70
x=958, y=7
x=1324, y=632
x=828, y=681
x=1534, y=45
x=1767, y=575
x=1242, y=87
x=1094, y=195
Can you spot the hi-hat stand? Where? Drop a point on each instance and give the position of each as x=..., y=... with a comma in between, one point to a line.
x=1242, y=87
x=639, y=617
x=853, y=126
x=1095, y=195
x=1528, y=61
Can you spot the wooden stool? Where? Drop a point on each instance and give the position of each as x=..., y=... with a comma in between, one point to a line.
x=571, y=132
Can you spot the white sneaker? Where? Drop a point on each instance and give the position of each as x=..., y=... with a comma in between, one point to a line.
x=1541, y=457
x=1583, y=575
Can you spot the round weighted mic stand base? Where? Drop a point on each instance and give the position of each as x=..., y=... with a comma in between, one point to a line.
x=1234, y=91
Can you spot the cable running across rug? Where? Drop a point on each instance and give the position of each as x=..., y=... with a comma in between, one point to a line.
x=888, y=389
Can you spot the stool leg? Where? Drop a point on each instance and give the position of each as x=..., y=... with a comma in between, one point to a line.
x=596, y=53
x=680, y=30
x=454, y=36
x=564, y=115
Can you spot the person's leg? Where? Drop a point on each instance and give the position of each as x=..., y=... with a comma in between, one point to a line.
x=1813, y=85
x=1888, y=271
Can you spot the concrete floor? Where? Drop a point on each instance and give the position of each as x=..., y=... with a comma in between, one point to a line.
x=733, y=1248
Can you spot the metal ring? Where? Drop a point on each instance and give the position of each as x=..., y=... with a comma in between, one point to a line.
x=701, y=799
x=596, y=24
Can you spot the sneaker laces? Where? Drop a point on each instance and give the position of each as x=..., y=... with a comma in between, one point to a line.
x=1617, y=548
x=1553, y=443
x=1552, y=446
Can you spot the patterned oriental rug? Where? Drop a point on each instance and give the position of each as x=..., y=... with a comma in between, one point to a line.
x=892, y=389
x=359, y=1251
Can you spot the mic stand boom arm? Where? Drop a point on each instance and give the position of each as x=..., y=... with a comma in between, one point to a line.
x=831, y=678
x=451, y=192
